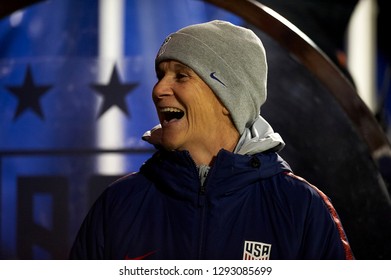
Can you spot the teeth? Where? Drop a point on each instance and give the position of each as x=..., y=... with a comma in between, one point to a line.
x=170, y=109
x=171, y=113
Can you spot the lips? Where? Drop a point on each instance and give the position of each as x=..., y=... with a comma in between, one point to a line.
x=171, y=114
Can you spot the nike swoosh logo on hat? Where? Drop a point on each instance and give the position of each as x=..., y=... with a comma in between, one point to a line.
x=141, y=257
x=213, y=76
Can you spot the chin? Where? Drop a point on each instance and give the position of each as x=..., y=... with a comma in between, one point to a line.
x=170, y=139
x=169, y=145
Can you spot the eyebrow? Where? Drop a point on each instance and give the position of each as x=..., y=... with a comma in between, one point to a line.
x=177, y=66
x=180, y=66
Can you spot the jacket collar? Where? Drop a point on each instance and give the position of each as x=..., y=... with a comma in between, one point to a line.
x=176, y=172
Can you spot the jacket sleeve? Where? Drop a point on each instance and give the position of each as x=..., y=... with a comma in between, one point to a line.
x=323, y=235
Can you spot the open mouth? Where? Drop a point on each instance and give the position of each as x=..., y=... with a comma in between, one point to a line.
x=170, y=113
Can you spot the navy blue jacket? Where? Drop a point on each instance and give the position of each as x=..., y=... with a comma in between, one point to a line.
x=250, y=207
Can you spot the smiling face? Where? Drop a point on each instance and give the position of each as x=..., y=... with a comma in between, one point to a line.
x=191, y=115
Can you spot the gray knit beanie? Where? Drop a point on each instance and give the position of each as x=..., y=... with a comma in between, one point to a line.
x=230, y=59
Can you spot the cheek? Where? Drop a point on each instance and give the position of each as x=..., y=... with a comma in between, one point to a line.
x=200, y=101
x=200, y=116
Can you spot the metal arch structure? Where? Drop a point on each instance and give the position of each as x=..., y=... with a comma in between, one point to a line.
x=333, y=139
x=8, y=7
x=299, y=45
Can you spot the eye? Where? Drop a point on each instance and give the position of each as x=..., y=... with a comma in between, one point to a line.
x=181, y=76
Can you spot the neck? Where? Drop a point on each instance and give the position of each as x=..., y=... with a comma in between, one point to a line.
x=205, y=154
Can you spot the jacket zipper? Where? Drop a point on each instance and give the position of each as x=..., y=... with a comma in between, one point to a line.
x=202, y=206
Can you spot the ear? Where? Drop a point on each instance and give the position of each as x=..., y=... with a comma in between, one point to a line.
x=225, y=111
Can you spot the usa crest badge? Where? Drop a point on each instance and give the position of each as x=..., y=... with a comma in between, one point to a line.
x=256, y=250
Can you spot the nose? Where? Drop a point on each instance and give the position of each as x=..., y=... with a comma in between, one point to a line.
x=161, y=89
